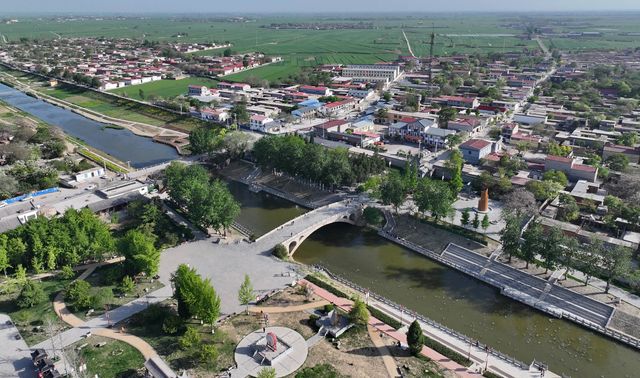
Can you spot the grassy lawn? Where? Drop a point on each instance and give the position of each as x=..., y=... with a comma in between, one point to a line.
x=109, y=277
x=32, y=322
x=163, y=88
x=109, y=358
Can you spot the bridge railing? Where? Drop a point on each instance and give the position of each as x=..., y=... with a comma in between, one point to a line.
x=432, y=323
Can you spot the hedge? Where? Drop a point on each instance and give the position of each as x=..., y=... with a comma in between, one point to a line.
x=447, y=352
x=489, y=374
x=384, y=317
x=318, y=282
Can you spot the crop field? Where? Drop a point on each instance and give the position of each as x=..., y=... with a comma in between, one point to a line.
x=163, y=88
x=455, y=34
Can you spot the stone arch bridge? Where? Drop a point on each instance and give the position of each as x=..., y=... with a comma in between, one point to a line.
x=296, y=231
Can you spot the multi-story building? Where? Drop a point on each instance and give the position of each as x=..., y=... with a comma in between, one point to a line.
x=372, y=72
x=475, y=149
x=573, y=170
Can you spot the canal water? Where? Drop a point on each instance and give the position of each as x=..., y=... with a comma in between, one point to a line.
x=122, y=144
x=465, y=304
x=262, y=212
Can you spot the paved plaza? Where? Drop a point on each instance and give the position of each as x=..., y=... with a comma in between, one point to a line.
x=15, y=358
x=291, y=352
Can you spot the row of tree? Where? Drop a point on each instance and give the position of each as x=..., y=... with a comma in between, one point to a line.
x=297, y=157
x=46, y=244
x=207, y=201
x=551, y=249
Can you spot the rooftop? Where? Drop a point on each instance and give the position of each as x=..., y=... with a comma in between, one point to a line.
x=475, y=144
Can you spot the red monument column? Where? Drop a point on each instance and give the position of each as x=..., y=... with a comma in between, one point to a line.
x=483, y=204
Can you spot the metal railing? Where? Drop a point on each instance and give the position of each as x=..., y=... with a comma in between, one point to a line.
x=432, y=323
x=619, y=336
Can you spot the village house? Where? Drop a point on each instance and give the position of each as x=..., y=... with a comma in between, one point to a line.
x=573, y=170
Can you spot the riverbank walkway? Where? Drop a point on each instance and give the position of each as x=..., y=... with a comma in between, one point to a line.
x=380, y=326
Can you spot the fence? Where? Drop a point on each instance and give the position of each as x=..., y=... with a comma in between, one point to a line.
x=616, y=335
x=424, y=319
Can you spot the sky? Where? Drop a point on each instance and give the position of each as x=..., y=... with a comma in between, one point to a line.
x=305, y=6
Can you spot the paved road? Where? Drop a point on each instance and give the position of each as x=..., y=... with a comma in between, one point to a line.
x=15, y=360
x=551, y=295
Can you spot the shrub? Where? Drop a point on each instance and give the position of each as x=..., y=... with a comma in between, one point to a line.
x=190, y=339
x=102, y=297
x=78, y=295
x=171, y=324
x=445, y=351
x=318, y=371
x=267, y=372
x=489, y=374
x=373, y=216
x=31, y=294
x=208, y=353
x=328, y=308
x=280, y=251
x=127, y=285
x=67, y=273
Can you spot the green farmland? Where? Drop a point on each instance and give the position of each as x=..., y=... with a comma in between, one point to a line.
x=163, y=88
x=455, y=34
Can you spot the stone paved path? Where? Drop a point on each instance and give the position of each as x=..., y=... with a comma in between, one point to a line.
x=442, y=361
x=387, y=358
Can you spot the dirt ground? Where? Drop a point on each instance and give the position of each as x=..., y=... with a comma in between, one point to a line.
x=290, y=296
x=357, y=357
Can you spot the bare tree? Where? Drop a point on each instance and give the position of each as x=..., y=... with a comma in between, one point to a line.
x=520, y=202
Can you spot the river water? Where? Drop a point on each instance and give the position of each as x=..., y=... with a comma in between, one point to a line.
x=420, y=284
x=122, y=144
x=445, y=295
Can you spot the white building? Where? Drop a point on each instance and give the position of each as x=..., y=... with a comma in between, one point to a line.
x=372, y=72
x=258, y=122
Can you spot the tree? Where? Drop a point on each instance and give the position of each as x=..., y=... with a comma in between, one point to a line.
x=209, y=306
x=544, y=190
x=434, y=196
x=569, y=211
x=510, y=235
x=359, y=314
x=454, y=164
x=570, y=253
x=476, y=221
x=79, y=295
x=445, y=115
x=240, y=113
x=4, y=256
x=556, y=176
x=551, y=249
x=127, y=285
x=245, y=294
x=557, y=150
x=590, y=259
x=465, y=218
x=485, y=222
x=267, y=372
x=627, y=139
x=392, y=190
x=204, y=140
x=67, y=273
x=227, y=53
x=140, y=252
x=141, y=94
x=185, y=283
x=31, y=294
x=615, y=262
x=236, y=143
x=532, y=243
x=415, y=338
x=618, y=162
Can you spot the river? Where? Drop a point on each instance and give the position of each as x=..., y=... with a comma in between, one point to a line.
x=445, y=295
x=121, y=144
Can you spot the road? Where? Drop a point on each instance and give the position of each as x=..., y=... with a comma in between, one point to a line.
x=15, y=360
x=408, y=44
x=545, y=293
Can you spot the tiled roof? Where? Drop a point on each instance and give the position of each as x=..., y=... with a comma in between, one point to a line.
x=475, y=144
